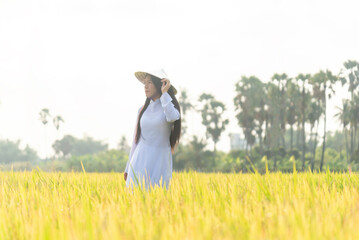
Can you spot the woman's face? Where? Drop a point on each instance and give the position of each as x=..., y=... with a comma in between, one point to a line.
x=150, y=88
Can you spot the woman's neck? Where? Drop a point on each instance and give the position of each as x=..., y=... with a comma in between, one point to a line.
x=155, y=98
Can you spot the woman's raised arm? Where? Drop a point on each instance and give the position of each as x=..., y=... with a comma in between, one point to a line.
x=172, y=114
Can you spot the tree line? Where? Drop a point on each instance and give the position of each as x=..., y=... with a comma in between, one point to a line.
x=279, y=119
x=266, y=111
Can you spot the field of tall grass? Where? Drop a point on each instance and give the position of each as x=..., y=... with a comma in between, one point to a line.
x=40, y=205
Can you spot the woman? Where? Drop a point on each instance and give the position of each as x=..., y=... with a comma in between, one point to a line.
x=156, y=134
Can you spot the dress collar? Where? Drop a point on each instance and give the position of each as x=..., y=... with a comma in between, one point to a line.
x=156, y=101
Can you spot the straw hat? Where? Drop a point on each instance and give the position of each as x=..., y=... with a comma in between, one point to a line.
x=160, y=73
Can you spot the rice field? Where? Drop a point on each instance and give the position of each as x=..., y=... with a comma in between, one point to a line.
x=40, y=205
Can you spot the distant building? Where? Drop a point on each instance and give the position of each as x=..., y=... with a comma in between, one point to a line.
x=237, y=143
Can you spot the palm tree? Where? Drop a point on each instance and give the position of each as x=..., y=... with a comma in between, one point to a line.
x=343, y=115
x=314, y=114
x=273, y=135
x=322, y=82
x=350, y=76
x=303, y=78
x=260, y=115
x=282, y=83
x=57, y=120
x=212, y=117
x=44, y=114
x=123, y=145
x=250, y=102
x=246, y=121
x=293, y=111
x=354, y=122
x=185, y=107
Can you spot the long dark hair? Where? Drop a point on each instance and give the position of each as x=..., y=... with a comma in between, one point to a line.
x=176, y=127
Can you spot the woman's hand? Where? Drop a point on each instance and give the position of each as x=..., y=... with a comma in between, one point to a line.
x=165, y=85
x=125, y=176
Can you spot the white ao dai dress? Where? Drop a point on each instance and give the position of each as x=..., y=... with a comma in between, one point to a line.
x=151, y=158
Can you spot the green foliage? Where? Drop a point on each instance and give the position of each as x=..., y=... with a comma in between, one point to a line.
x=10, y=152
x=105, y=161
x=70, y=145
x=264, y=112
x=123, y=145
x=193, y=156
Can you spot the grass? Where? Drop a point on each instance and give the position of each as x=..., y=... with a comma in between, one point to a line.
x=40, y=205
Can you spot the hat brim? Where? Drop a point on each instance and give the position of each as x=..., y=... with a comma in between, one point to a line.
x=141, y=77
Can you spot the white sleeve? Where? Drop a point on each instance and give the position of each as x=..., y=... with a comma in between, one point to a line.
x=172, y=114
x=133, y=146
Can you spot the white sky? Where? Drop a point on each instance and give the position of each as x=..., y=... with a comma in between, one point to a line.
x=77, y=58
